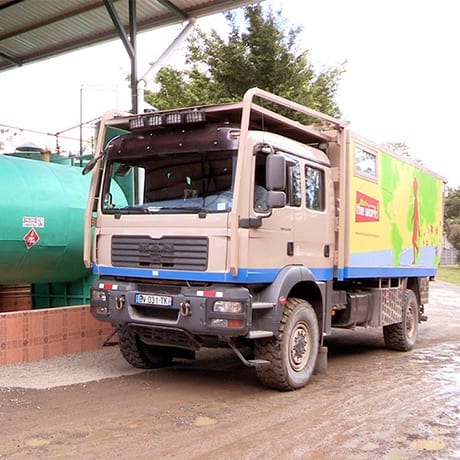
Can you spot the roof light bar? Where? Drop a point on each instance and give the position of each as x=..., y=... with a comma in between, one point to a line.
x=136, y=123
x=195, y=116
x=153, y=120
x=174, y=118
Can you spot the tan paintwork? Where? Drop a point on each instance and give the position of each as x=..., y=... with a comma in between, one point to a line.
x=233, y=247
x=278, y=221
x=308, y=230
x=107, y=119
x=248, y=247
x=214, y=226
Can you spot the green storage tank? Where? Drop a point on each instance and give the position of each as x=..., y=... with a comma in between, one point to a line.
x=42, y=207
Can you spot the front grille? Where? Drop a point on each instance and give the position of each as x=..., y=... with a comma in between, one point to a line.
x=169, y=252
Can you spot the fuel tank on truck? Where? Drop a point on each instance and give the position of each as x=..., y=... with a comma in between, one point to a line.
x=42, y=207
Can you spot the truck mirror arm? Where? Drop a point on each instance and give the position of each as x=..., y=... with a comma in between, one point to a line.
x=92, y=163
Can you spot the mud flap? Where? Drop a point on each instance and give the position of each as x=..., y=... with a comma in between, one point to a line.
x=321, y=361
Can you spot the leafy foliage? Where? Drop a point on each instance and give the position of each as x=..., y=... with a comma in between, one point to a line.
x=452, y=216
x=263, y=54
x=452, y=204
x=454, y=235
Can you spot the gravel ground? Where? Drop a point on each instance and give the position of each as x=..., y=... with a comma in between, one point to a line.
x=67, y=370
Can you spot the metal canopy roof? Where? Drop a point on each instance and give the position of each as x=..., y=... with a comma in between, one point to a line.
x=31, y=30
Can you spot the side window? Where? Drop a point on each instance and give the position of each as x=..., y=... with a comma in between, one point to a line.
x=294, y=191
x=365, y=163
x=314, y=188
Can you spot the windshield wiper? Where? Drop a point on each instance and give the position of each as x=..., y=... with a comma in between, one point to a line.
x=128, y=210
x=198, y=209
x=202, y=212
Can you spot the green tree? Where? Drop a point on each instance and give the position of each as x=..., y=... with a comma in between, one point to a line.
x=454, y=235
x=261, y=53
x=452, y=204
x=452, y=216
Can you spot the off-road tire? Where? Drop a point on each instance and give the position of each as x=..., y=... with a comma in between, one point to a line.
x=402, y=336
x=140, y=354
x=292, y=353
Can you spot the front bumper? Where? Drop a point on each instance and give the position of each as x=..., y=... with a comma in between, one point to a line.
x=219, y=310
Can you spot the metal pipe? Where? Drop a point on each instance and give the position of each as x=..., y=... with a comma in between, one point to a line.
x=142, y=83
x=132, y=37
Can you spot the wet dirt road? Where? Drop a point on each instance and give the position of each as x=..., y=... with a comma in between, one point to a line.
x=372, y=404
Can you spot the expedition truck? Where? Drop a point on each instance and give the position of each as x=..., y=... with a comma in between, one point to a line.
x=259, y=226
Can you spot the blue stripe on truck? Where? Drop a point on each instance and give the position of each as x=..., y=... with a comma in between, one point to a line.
x=245, y=275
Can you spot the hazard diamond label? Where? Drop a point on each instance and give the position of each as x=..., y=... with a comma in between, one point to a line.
x=31, y=238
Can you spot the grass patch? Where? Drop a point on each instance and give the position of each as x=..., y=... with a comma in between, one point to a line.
x=449, y=274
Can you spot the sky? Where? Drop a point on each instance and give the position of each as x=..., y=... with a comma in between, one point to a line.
x=401, y=80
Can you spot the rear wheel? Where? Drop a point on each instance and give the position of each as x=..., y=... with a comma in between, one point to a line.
x=293, y=351
x=140, y=354
x=402, y=336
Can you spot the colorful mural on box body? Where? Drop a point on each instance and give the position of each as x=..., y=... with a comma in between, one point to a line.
x=396, y=220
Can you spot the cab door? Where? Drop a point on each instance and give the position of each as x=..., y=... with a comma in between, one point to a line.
x=270, y=243
x=314, y=221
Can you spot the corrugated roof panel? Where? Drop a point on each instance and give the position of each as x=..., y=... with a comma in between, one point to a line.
x=35, y=29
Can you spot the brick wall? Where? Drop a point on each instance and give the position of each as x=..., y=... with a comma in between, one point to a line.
x=38, y=334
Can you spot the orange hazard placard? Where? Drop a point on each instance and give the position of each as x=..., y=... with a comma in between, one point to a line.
x=31, y=238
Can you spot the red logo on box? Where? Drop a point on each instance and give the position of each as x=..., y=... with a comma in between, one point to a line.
x=367, y=208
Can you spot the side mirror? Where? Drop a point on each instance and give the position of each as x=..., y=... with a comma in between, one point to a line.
x=276, y=199
x=275, y=173
x=92, y=163
x=89, y=166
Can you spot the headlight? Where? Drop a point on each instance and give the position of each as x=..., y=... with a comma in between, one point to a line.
x=98, y=296
x=227, y=306
x=219, y=322
x=99, y=303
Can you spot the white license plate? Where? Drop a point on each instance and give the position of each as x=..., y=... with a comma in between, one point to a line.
x=148, y=299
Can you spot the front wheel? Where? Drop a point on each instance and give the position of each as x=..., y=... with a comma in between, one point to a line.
x=402, y=336
x=140, y=354
x=293, y=351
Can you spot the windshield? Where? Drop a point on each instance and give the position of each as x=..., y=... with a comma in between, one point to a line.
x=190, y=182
